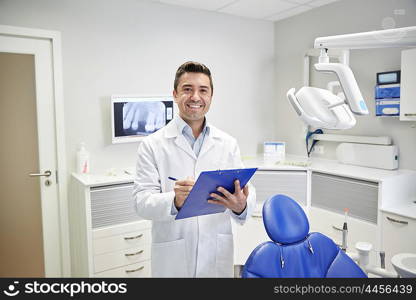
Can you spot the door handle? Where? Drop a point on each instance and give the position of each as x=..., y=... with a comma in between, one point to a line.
x=46, y=174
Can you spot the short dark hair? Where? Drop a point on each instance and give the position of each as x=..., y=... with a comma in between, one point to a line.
x=192, y=67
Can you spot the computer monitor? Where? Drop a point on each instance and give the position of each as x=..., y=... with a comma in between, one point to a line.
x=134, y=117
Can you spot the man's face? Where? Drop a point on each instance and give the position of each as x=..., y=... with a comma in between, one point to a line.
x=193, y=96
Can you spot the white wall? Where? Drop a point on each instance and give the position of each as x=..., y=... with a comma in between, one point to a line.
x=135, y=47
x=295, y=35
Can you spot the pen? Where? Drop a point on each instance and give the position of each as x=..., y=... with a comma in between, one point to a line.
x=172, y=178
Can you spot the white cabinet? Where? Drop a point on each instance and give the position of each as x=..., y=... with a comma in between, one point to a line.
x=120, y=247
x=330, y=224
x=108, y=239
x=271, y=182
x=134, y=271
x=324, y=190
x=331, y=195
x=267, y=184
x=337, y=193
x=247, y=237
x=398, y=236
x=407, y=86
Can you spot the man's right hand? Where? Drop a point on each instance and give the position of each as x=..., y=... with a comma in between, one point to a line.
x=182, y=189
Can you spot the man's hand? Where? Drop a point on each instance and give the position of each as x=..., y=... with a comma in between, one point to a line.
x=182, y=189
x=237, y=202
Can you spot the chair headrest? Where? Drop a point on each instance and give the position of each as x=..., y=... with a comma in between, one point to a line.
x=284, y=220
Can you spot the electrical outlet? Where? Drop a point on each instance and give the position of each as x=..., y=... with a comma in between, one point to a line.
x=319, y=149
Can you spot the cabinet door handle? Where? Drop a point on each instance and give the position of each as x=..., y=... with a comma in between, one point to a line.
x=257, y=216
x=133, y=254
x=336, y=228
x=397, y=221
x=135, y=270
x=410, y=115
x=133, y=237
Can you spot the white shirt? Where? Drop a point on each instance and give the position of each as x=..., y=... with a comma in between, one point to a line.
x=195, y=143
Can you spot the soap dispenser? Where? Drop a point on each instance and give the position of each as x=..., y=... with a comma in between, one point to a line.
x=83, y=160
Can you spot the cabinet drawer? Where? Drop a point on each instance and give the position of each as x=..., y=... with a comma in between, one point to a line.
x=121, y=258
x=248, y=237
x=122, y=241
x=324, y=221
x=113, y=204
x=398, y=234
x=120, y=229
x=270, y=183
x=336, y=193
x=141, y=269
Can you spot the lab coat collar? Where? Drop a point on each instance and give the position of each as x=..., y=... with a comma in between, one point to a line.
x=175, y=127
x=174, y=130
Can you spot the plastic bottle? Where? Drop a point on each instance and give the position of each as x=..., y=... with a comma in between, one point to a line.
x=83, y=160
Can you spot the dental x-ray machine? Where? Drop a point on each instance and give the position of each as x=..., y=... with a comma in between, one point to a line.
x=320, y=108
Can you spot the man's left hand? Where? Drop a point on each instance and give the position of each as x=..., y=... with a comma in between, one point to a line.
x=237, y=202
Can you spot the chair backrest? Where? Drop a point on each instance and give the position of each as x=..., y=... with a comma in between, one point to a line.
x=293, y=251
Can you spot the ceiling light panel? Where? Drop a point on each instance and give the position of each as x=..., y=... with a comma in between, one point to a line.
x=316, y=3
x=289, y=13
x=300, y=1
x=200, y=4
x=257, y=8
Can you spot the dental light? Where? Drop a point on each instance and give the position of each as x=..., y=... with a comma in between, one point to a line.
x=321, y=108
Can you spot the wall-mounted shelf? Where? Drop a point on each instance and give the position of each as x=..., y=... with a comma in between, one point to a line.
x=375, y=140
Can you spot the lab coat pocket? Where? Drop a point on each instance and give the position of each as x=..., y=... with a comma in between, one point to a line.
x=169, y=259
x=225, y=251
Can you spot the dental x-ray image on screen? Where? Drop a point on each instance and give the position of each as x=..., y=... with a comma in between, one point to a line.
x=136, y=117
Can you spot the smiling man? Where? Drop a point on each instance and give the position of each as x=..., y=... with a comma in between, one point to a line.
x=199, y=246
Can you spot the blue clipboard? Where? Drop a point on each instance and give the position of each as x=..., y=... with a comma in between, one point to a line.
x=196, y=204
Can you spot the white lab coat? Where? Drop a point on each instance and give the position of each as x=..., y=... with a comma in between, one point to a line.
x=193, y=247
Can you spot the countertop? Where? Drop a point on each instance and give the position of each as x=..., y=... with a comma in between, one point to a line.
x=293, y=162
x=407, y=210
x=114, y=177
x=404, y=207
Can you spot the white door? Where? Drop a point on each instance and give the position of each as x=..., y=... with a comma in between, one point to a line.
x=22, y=195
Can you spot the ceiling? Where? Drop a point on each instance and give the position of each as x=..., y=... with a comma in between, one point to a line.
x=270, y=10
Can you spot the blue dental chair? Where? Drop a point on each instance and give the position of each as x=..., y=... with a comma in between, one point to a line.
x=293, y=251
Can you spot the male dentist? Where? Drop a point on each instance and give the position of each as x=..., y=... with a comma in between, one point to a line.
x=199, y=246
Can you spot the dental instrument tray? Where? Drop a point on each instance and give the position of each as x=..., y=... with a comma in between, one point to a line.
x=196, y=204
